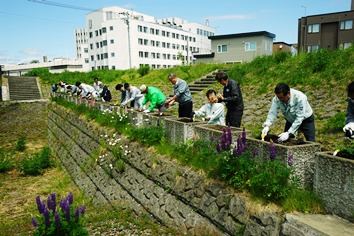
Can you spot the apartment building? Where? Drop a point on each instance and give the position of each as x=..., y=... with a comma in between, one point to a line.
x=237, y=48
x=328, y=31
x=118, y=38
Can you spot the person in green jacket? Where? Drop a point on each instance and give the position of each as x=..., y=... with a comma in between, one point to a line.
x=155, y=97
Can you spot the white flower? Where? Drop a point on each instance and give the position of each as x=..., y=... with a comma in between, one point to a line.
x=110, y=165
x=117, y=140
x=106, y=136
x=110, y=143
x=126, y=146
x=114, y=135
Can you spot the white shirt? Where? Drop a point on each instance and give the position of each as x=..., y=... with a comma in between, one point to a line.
x=213, y=111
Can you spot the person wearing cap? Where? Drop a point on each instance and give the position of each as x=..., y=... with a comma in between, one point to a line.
x=155, y=97
x=133, y=96
x=212, y=111
x=182, y=95
x=349, y=118
x=232, y=97
x=105, y=93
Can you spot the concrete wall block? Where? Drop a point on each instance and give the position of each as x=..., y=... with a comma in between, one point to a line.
x=303, y=157
x=334, y=183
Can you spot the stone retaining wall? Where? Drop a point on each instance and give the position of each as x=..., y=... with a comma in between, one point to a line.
x=175, y=195
x=334, y=183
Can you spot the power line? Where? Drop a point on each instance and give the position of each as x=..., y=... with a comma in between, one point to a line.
x=57, y=4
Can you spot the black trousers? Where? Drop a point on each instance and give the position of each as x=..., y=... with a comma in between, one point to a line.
x=185, y=109
x=307, y=127
x=233, y=118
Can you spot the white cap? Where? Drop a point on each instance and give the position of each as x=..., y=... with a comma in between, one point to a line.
x=142, y=88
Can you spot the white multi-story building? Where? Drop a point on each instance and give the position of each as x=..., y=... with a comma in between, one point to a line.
x=121, y=39
x=81, y=40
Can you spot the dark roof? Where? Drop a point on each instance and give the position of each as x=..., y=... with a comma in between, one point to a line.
x=326, y=14
x=204, y=55
x=241, y=35
x=282, y=43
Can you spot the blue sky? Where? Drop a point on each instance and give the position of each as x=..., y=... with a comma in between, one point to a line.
x=31, y=30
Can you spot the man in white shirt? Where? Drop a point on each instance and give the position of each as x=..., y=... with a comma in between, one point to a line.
x=133, y=96
x=96, y=85
x=212, y=111
x=87, y=91
x=297, y=112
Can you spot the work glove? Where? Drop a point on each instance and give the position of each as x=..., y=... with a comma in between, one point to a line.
x=349, y=126
x=283, y=137
x=265, y=131
x=147, y=111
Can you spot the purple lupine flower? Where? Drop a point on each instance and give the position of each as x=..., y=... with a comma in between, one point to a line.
x=67, y=213
x=244, y=135
x=234, y=152
x=212, y=139
x=239, y=145
x=53, y=197
x=272, y=151
x=229, y=135
x=64, y=205
x=46, y=215
x=290, y=159
x=49, y=203
x=34, y=222
x=223, y=139
x=218, y=148
x=70, y=198
x=77, y=213
x=57, y=219
x=39, y=205
x=82, y=209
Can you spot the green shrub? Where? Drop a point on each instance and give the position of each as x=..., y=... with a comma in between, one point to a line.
x=147, y=136
x=143, y=70
x=36, y=163
x=281, y=56
x=21, y=144
x=6, y=160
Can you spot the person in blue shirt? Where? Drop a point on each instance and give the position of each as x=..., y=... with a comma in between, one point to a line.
x=182, y=95
x=349, y=119
x=297, y=111
x=212, y=111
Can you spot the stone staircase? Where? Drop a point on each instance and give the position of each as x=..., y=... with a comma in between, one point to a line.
x=23, y=88
x=204, y=82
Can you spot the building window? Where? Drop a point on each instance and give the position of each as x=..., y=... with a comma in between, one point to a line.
x=111, y=28
x=146, y=54
x=91, y=46
x=312, y=48
x=222, y=48
x=104, y=30
x=346, y=25
x=97, y=45
x=140, y=28
x=152, y=31
x=91, y=35
x=152, y=43
x=146, y=42
x=112, y=41
x=92, y=58
x=105, y=55
x=141, y=54
x=113, y=67
x=104, y=42
x=153, y=55
x=157, y=32
x=113, y=54
x=86, y=60
x=140, y=41
x=85, y=50
x=157, y=43
x=168, y=34
x=163, y=33
x=344, y=45
x=250, y=46
x=314, y=28
x=158, y=55
x=145, y=29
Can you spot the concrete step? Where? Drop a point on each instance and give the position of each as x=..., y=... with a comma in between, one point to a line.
x=199, y=86
x=23, y=88
x=316, y=225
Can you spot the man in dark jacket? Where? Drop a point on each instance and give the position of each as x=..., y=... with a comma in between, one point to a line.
x=105, y=93
x=349, y=121
x=232, y=97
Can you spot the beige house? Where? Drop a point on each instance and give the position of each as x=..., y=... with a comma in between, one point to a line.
x=237, y=48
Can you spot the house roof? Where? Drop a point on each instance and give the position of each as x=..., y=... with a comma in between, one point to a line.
x=242, y=35
x=211, y=55
x=283, y=43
